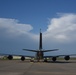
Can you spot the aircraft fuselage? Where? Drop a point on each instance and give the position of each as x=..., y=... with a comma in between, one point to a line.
x=39, y=55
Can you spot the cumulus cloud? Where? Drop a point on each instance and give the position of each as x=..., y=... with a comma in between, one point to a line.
x=62, y=28
x=12, y=27
x=16, y=36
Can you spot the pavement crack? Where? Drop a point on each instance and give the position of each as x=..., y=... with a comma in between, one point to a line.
x=28, y=69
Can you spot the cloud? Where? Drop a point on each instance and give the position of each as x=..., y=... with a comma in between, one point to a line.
x=12, y=27
x=15, y=36
x=61, y=33
x=62, y=29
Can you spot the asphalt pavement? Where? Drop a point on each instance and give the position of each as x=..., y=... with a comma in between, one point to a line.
x=17, y=67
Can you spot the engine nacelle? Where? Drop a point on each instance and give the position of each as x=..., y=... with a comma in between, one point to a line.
x=22, y=58
x=10, y=57
x=54, y=59
x=67, y=57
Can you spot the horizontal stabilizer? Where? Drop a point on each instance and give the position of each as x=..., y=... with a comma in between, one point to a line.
x=50, y=50
x=30, y=50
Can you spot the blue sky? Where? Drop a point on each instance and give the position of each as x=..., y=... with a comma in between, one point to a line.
x=21, y=20
x=35, y=12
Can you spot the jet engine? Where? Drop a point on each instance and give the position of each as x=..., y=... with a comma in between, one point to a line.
x=67, y=57
x=22, y=58
x=54, y=59
x=10, y=57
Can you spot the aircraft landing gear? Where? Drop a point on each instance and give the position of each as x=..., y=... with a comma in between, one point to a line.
x=45, y=60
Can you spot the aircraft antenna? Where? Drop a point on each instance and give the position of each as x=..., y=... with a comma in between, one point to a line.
x=40, y=30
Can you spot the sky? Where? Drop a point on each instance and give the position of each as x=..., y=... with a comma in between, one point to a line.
x=21, y=21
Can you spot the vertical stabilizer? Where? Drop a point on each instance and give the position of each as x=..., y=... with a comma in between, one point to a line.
x=40, y=43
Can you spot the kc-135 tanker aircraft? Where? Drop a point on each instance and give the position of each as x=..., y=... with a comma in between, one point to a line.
x=40, y=53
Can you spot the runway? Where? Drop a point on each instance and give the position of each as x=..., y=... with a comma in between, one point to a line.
x=17, y=67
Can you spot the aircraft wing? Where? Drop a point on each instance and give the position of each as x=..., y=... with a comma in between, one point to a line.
x=6, y=54
x=50, y=50
x=30, y=50
x=59, y=55
x=66, y=55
